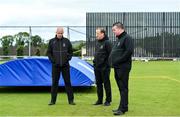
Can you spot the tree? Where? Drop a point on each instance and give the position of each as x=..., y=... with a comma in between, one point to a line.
x=44, y=47
x=77, y=48
x=6, y=42
x=21, y=41
x=37, y=53
x=36, y=42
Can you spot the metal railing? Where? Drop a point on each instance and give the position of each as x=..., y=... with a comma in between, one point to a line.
x=73, y=33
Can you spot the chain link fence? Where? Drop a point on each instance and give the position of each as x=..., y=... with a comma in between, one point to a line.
x=26, y=41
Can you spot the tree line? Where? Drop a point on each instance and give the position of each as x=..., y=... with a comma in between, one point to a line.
x=39, y=46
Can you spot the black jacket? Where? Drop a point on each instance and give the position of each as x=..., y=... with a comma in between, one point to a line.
x=102, y=51
x=121, y=54
x=59, y=51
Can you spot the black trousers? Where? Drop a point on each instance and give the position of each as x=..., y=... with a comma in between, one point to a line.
x=56, y=70
x=122, y=78
x=102, y=77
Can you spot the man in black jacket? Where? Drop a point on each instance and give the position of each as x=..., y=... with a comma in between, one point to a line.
x=120, y=59
x=102, y=67
x=60, y=53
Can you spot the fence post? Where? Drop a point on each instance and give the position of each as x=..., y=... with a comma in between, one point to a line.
x=68, y=34
x=30, y=35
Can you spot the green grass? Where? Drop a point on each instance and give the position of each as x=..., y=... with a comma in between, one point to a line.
x=153, y=91
x=1, y=62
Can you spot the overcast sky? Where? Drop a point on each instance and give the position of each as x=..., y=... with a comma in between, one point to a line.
x=72, y=12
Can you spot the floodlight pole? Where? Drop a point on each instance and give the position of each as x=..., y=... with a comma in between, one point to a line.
x=30, y=35
x=68, y=33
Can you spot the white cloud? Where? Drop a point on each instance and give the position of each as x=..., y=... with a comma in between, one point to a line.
x=23, y=15
x=72, y=12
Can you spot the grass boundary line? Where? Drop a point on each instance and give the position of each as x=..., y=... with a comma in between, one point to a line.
x=157, y=77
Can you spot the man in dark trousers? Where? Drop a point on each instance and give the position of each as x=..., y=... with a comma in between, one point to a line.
x=102, y=67
x=120, y=59
x=60, y=53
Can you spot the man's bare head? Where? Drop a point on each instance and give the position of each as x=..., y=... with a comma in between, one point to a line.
x=59, y=32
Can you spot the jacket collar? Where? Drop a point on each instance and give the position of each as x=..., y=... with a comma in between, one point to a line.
x=57, y=38
x=122, y=35
x=105, y=38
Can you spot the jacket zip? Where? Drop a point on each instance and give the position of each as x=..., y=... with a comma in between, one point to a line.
x=60, y=53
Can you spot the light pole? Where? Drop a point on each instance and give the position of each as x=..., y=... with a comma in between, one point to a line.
x=30, y=35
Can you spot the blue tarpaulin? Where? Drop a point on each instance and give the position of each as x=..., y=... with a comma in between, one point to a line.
x=36, y=71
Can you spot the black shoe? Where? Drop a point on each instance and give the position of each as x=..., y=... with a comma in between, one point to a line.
x=97, y=103
x=107, y=104
x=51, y=103
x=119, y=112
x=126, y=110
x=115, y=110
x=72, y=103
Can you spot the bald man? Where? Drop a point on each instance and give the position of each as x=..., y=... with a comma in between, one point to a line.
x=60, y=53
